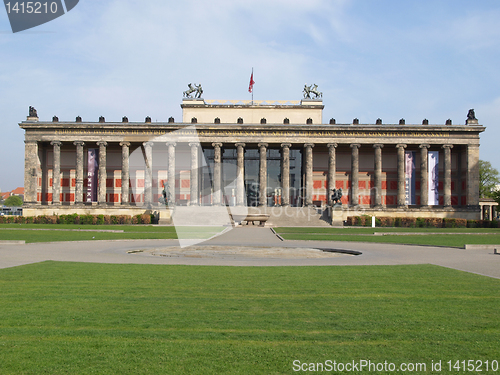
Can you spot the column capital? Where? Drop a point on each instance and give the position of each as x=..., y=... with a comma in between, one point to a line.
x=102, y=143
x=171, y=143
x=194, y=144
x=260, y=145
x=447, y=146
x=125, y=144
x=332, y=145
x=355, y=145
x=378, y=145
x=311, y=145
x=424, y=145
x=56, y=143
x=286, y=145
x=400, y=145
x=79, y=143
x=217, y=144
x=240, y=144
x=148, y=144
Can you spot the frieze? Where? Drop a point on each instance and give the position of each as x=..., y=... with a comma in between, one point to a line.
x=258, y=133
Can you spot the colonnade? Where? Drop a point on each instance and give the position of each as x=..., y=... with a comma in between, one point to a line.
x=32, y=172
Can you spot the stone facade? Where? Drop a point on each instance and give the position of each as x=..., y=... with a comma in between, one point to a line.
x=251, y=154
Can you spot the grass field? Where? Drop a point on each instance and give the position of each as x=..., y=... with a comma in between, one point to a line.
x=451, y=237
x=73, y=318
x=72, y=232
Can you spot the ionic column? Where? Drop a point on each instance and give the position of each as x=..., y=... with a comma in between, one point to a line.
x=101, y=195
x=401, y=176
x=31, y=168
x=262, y=174
x=171, y=171
x=193, y=199
x=332, y=170
x=148, y=174
x=56, y=173
x=424, y=175
x=309, y=173
x=217, y=174
x=378, y=175
x=473, y=176
x=125, y=171
x=79, y=172
x=447, y=175
x=355, y=174
x=240, y=174
x=285, y=174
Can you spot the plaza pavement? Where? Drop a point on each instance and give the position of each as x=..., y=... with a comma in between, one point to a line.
x=483, y=262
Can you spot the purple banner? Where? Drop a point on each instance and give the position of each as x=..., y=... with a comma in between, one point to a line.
x=93, y=165
x=410, y=177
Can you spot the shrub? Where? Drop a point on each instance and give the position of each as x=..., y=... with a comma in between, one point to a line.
x=420, y=222
x=408, y=222
x=449, y=223
x=145, y=219
x=135, y=219
x=397, y=222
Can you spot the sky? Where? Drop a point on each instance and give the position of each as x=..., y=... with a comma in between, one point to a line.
x=387, y=59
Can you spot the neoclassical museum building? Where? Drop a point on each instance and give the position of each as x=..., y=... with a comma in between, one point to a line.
x=261, y=154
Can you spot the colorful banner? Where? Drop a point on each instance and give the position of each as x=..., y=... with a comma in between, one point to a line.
x=433, y=178
x=93, y=166
x=410, y=177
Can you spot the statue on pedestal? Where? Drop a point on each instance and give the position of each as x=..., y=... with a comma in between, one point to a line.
x=312, y=89
x=166, y=198
x=196, y=88
x=32, y=112
x=336, y=197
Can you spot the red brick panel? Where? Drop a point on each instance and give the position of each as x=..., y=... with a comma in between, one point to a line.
x=362, y=184
x=366, y=199
x=65, y=182
x=339, y=184
x=384, y=185
x=73, y=182
x=109, y=182
x=317, y=184
x=185, y=183
x=118, y=183
x=393, y=185
x=140, y=182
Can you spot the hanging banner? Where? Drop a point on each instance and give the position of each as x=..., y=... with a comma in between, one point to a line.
x=433, y=178
x=410, y=177
x=93, y=166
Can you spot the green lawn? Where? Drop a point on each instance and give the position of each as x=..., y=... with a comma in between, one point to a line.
x=452, y=237
x=70, y=232
x=73, y=318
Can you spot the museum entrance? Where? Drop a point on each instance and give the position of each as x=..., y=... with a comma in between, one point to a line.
x=273, y=191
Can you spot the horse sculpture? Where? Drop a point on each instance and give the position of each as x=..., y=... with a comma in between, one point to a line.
x=312, y=89
x=197, y=89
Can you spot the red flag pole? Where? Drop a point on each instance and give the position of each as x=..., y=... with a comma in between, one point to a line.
x=250, y=86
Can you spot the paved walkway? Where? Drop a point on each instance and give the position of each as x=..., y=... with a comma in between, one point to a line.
x=482, y=262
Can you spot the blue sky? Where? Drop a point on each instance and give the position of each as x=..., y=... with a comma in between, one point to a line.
x=388, y=59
